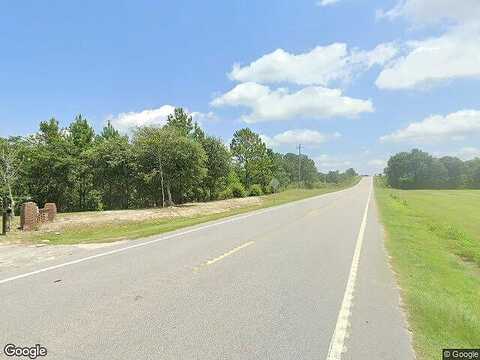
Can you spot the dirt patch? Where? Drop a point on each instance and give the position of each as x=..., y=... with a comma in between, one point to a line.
x=76, y=220
x=17, y=256
x=16, y=253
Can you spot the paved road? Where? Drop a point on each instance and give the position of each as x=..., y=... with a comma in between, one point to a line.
x=308, y=280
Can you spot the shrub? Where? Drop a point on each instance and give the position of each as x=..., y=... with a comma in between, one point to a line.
x=268, y=190
x=94, y=201
x=255, y=190
x=309, y=185
x=225, y=194
x=237, y=190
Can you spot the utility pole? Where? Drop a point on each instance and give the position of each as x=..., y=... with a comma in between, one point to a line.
x=299, y=164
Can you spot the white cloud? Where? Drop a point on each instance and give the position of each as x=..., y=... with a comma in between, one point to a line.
x=326, y=2
x=455, y=126
x=304, y=136
x=435, y=11
x=468, y=153
x=280, y=104
x=299, y=136
x=375, y=166
x=203, y=118
x=377, y=162
x=327, y=163
x=382, y=54
x=454, y=55
x=320, y=66
x=151, y=117
x=268, y=141
x=361, y=162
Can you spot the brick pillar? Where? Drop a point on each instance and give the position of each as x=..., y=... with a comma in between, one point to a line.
x=52, y=211
x=42, y=216
x=29, y=216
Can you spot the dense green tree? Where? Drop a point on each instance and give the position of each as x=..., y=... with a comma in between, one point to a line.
x=410, y=170
x=301, y=169
x=218, y=165
x=109, y=131
x=10, y=167
x=456, y=172
x=437, y=175
x=291, y=166
x=181, y=121
x=473, y=173
x=308, y=171
x=112, y=164
x=252, y=162
x=197, y=133
x=49, y=165
x=50, y=132
x=157, y=166
x=170, y=163
x=350, y=173
x=420, y=170
x=150, y=165
x=333, y=177
x=280, y=176
x=81, y=136
x=322, y=177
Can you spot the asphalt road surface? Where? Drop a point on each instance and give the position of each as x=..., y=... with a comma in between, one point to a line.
x=307, y=280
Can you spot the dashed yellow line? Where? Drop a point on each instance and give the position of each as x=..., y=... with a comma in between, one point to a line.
x=223, y=256
x=231, y=252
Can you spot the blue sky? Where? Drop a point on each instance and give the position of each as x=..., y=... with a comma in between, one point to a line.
x=354, y=81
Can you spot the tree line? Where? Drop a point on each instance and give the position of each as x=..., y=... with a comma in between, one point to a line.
x=154, y=167
x=419, y=170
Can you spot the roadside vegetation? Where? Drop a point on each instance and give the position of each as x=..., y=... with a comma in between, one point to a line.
x=109, y=227
x=153, y=167
x=419, y=170
x=433, y=237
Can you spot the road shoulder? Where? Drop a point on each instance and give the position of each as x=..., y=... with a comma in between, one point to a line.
x=379, y=329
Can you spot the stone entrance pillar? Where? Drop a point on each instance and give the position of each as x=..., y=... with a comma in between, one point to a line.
x=29, y=216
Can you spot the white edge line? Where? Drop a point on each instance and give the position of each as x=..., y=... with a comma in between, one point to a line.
x=337, y=343
x=162, y=238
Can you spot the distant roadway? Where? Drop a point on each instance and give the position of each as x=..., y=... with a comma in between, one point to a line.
x=306, y=280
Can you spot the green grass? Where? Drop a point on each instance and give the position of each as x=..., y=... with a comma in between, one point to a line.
x=141, y=229
x=434, y=240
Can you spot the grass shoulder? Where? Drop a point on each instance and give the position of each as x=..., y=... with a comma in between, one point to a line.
x=433, y=237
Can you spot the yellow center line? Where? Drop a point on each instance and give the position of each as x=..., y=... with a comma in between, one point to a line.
x=231, y=252
x=221, y=257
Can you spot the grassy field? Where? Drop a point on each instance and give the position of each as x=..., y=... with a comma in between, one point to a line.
x=121, y=230
x=434, y=240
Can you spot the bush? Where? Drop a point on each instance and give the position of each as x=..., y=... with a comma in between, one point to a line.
x=225, y=194
x=309, y=185
x=255, y=190
x=320, y=185
x=237, y=190
x=268, y=190
x=94, y=201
